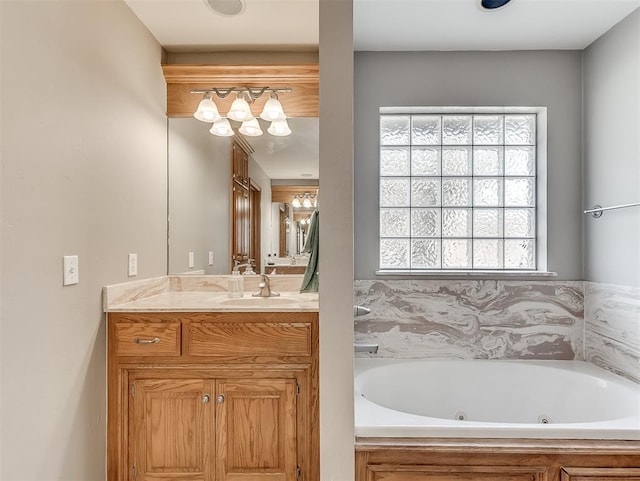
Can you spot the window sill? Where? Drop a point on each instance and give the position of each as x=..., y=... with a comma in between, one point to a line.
x=454, y=274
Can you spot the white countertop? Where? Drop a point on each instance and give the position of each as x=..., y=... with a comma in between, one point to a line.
x=206, y=294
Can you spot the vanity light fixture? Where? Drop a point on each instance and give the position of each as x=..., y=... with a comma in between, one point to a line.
x=240, y=111
x=221, y=128
x=272, y=109
x=279, y=128
x=305, y=200
x=207, y=110
x=250, y=128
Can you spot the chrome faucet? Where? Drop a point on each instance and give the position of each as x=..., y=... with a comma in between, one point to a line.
x=265, y=288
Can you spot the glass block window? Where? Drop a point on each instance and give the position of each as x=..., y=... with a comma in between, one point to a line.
x=458, y=191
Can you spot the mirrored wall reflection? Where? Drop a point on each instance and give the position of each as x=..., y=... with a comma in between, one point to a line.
x=200, y=196
x=293, y=227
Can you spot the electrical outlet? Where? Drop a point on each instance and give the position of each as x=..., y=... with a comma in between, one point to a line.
x=210, y=258
x=192, y=262
x=70, y=271
x=133, y=265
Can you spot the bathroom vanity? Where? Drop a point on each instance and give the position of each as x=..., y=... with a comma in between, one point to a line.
x=204, y=387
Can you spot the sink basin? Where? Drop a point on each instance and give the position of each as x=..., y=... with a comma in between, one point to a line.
x=260, y=301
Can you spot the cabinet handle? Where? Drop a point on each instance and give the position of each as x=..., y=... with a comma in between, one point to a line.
x=220, y=399
x=206, y=398
x=155, y=340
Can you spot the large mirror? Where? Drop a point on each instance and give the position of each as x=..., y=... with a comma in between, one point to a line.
x=201, y=204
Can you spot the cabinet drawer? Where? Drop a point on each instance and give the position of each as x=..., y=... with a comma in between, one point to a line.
x=247, y=339
x=147, y=339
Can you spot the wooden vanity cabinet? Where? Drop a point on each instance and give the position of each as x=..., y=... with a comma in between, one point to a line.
x=478, y=459
x=237, y=401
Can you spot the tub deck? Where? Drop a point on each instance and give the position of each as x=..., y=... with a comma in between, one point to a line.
x=570, y=400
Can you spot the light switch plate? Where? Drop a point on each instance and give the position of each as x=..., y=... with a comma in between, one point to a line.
x=70, y=271
x=133, y=265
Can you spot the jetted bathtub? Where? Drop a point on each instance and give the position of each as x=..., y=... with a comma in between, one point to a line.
x=493, y=399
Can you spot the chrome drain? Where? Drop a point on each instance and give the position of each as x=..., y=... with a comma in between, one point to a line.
x=544, y=419
x=460, y=416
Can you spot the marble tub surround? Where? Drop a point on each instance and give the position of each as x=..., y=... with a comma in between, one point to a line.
x=612, y=328
x=483, y=319
x=205, y=293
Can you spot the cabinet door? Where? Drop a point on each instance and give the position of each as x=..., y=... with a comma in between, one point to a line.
x=170, y=430
x=256, y=430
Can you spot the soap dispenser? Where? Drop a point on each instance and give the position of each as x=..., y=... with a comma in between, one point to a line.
x=235, y=284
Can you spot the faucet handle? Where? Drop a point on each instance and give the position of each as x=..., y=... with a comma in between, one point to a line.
x=360, y=311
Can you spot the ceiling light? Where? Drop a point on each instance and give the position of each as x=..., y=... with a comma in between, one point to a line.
x=221, y=128
x=240, y=110
x=250, y=128
x=226, y=7
x=493, y=4
x=207, y=110
x=279, y=128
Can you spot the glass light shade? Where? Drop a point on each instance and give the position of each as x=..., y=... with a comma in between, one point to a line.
x=279, y=128
x=272, y=110
x=295, y=203
x=221, y=128
x=240, y=110
x=306, y=202
x=250, y=128
x=207, y=111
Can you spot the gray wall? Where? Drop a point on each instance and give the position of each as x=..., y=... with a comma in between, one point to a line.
x=199, y=173
x=612, y=154
x=549, y=79
x=83, y=172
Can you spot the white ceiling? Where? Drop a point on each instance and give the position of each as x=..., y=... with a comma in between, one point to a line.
x=387, y=25
x=391, y=25
x=191, y=25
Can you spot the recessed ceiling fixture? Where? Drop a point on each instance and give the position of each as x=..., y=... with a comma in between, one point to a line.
x=493, y=4
x=228, y=8
x=240, y=111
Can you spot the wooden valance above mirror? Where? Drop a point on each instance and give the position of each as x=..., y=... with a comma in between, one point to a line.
x=182, y=79
x=285, y=193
